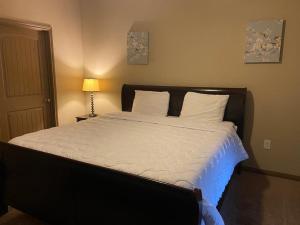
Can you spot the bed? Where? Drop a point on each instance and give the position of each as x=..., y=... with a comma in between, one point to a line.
x=54, y=175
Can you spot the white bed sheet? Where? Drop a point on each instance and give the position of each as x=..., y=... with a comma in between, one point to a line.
x=172, y=150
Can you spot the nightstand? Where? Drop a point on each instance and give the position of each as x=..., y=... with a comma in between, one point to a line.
x=84, y=117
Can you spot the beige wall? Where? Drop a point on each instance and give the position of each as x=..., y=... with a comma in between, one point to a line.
x=65, y=18
x=192, y=42
x=198, y=42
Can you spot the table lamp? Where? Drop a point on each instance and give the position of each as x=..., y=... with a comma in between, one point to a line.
x=91, y=85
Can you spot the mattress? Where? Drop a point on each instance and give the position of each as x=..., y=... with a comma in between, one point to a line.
x=183, y=152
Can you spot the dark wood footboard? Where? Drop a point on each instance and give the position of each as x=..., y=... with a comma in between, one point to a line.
x=3, y=203
x=63, y=191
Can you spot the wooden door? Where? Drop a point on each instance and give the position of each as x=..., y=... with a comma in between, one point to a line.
x=25, y=81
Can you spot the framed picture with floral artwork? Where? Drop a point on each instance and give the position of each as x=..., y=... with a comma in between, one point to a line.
x=137, y=48
x=264, y=39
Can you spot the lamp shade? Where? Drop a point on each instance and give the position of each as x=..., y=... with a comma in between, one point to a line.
x=91, y=85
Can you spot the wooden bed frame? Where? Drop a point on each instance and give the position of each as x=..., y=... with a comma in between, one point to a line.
x=62, y=191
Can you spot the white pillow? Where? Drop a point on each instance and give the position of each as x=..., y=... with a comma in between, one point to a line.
x=151, y=102
x=204, y=106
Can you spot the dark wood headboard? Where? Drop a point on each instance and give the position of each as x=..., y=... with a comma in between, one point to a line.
x=234, y=111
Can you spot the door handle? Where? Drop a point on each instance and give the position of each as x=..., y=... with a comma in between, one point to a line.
x=48, y=100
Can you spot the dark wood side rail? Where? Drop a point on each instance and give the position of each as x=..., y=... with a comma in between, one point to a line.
x=63, y=191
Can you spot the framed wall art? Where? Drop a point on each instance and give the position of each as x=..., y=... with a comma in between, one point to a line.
x=137, y=48
x=264, y=39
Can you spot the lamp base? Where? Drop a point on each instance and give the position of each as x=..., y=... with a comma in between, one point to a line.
x=92, y=115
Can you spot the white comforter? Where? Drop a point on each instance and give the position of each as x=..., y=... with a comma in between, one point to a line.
x=177, y=151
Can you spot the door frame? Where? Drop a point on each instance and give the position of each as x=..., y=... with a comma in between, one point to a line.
x=47, y=31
